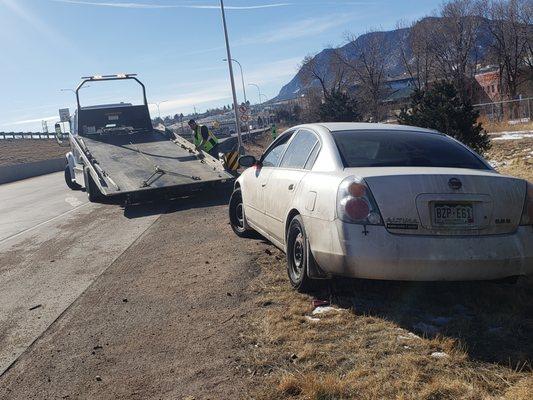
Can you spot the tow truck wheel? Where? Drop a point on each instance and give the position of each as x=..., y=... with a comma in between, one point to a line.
x=92, y=190
x=236, y=215
x=68, y=179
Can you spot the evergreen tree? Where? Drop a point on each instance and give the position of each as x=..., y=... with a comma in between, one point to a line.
x=338, y=107
x=440, y=107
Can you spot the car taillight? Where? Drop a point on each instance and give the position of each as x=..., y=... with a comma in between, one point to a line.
x=355, y=203
x=527, y=214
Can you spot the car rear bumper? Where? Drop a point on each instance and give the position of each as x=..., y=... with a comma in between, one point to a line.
x=379, y=254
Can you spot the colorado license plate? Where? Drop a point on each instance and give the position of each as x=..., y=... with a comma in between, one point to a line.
x=453, y=214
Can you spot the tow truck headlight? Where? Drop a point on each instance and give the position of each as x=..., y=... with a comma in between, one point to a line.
x=355, y=203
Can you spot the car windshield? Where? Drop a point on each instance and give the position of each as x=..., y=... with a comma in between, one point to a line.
x=403, y=149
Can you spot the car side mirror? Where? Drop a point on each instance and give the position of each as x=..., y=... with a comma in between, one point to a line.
x=247, y=161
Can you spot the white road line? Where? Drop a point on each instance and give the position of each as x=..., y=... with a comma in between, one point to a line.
x=41, y=224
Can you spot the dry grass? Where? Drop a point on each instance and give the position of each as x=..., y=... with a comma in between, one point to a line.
x=513, y=157
x=504, y=126
x=20, y=151
x=367, y=350
x=381, y=341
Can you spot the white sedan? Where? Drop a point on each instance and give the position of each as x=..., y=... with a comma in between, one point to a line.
x=385, y=202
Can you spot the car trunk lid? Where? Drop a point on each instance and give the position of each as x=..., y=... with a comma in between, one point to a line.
x=445, y=201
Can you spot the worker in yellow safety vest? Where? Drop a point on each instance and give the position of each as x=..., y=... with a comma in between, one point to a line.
x=204, y=139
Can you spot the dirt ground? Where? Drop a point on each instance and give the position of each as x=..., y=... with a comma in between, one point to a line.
x=22, y=151
x=165, y=321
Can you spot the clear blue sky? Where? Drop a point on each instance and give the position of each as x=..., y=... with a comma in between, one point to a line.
x=176, y=47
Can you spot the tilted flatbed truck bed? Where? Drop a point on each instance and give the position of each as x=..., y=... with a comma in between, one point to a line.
x=117, y=152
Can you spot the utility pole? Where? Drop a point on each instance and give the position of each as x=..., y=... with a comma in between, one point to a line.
x=230, y=66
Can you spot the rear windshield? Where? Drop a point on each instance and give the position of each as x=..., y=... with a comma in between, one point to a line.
x=403, y=149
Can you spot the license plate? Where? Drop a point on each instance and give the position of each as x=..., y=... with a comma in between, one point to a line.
x=451, y=214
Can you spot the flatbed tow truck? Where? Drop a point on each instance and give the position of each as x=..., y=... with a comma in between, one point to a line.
x=117, y=153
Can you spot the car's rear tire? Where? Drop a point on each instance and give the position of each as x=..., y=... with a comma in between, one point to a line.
x=93, y=192
x=236, y=215
x=68, y=179
x=297, y=256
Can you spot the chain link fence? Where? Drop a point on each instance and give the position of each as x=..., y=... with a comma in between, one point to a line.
x=518, y=110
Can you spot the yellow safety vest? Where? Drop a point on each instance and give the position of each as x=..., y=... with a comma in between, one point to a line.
x=211, y=142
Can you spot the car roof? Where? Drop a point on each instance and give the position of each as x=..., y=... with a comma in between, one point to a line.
x=364, y=126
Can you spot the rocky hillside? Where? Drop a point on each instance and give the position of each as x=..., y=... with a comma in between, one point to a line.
x=394, y=42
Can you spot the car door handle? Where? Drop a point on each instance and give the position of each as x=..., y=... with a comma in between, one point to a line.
x=263, y=184
x=291, y=187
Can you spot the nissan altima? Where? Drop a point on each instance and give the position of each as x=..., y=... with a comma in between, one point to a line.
x=387, y=202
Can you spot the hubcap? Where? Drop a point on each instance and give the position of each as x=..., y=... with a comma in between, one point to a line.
x=240, y=215
x=298, y=253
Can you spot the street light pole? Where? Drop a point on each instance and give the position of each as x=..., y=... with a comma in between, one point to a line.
x=230, y=66
x=72, y=90
x=242, y=78
x=158, y=110
x=259, y=90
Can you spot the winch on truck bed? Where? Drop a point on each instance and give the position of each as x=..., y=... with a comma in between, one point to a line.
x=115, y=151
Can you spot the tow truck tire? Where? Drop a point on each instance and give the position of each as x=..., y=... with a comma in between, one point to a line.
x=92, y=190
x=68, y=179
x=236, y=215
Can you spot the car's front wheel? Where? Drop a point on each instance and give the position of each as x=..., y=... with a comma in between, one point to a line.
x=236, y=215
x=297, y=257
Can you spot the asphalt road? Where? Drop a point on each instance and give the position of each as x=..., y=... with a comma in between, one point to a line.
x=147, y=302
x=53, y=245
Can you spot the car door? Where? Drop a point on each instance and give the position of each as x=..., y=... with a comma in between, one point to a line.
x=257, y=177
x=283, y=181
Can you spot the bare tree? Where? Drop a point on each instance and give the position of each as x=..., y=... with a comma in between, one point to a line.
x=509, y=21
x=321, y=80
x=417, y=57
x=453, y=43
x=331, y=76
x=367, y=63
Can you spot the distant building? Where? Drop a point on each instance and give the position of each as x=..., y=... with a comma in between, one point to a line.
x=488, y=79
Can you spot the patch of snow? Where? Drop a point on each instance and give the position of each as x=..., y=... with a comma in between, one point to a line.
x=439, y=354
x=514, y=135
x=409, y=336
x=324, y=310
x=312, y=319
x=509, y=132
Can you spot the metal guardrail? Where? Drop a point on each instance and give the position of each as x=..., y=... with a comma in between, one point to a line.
x=25, y=136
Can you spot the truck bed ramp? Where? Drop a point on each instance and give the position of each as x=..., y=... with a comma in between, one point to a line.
x=149, y=160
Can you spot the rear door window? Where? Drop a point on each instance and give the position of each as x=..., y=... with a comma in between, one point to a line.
x=299, y=150
x=403, y=149
x=273, y=155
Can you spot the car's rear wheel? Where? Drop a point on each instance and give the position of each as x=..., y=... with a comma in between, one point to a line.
x=297, y=255
x=236, y=215
x=68, y=179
